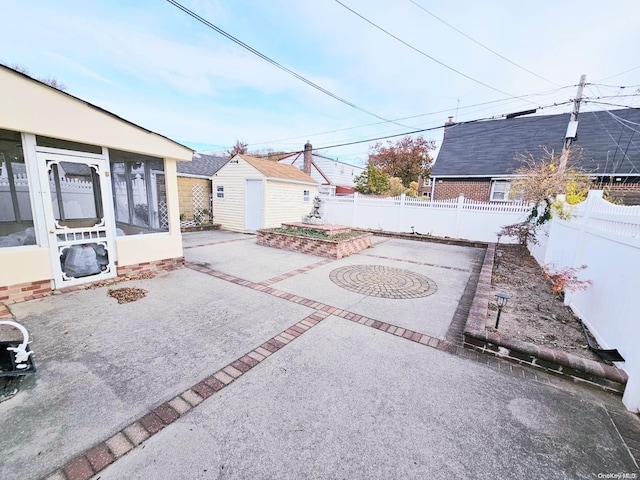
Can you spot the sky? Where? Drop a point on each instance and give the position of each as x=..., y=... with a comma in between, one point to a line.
x=153, y=64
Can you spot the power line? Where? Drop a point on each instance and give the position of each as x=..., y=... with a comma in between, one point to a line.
x=276, y=64
x=482, y=45
x=621, y=73
x=421, y=52
x=509, y=99
x=422, y=130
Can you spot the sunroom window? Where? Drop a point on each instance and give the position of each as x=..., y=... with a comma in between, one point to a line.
x=16, y=218
x=139, y=193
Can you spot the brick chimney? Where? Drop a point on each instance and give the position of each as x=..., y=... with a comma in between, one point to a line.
x=307, y=158
x=448, y=123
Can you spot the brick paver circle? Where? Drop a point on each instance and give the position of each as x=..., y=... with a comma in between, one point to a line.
x=385, y=282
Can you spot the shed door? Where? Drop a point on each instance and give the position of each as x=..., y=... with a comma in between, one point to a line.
x=253, y=205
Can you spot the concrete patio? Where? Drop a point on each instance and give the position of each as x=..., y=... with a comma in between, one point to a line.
x=254, y=363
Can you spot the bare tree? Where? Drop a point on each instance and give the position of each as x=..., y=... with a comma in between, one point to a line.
x=51, y=81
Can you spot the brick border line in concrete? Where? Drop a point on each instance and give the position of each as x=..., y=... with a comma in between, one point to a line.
x=466, y=270
x=217, y=243
x=331, y=310
x=578, y=369
x=456, y=327
x=298, y=271
x=98, y=457
x=629, y=431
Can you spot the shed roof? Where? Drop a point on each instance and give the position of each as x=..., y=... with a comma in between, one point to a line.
x=202, y=165
x=493, y=148
x=278, y=170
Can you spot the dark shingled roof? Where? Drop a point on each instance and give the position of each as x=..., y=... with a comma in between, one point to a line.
x=610, y=143
x=202, y=165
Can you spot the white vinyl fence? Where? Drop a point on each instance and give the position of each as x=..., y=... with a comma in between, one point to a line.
x=606, y=238
x=456, y=218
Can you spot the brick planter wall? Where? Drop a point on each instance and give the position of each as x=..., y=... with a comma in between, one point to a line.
x=24, y=291
x=151, y=267
x=315, y=246
x=31, y=290
x=477, y=337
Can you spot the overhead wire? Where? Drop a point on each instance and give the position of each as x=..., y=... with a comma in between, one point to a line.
x=617, y=144
x=421, y=130
x=482, y=45
x=475, y=80
x=503, y=100
x=276, y=64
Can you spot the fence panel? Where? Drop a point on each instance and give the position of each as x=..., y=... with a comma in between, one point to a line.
x=606, y=238
x=456, y=218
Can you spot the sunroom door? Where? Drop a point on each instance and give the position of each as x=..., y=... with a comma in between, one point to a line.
x=76, y=191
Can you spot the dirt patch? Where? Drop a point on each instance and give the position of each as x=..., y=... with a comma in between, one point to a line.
x=532, y=314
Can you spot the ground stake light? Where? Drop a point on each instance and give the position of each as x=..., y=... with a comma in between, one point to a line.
x=501, y=299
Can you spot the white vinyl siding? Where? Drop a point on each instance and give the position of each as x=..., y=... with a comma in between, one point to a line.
x=285, y=202
x=339, y=173
x=229, y=211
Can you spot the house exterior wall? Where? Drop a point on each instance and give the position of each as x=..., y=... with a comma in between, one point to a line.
x=229, y=211
x=185, y=194
x=284, y=202
x=339, y=173
x=31, y=107
x=447, y=188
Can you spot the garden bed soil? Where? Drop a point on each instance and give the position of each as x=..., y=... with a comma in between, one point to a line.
x=532, y=313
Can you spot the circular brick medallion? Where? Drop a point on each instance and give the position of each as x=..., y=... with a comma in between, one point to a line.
x=385, y=282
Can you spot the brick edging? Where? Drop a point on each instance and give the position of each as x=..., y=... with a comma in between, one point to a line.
x=323, y=247
x=425, y=238
x=98, y=457
x=477, y=337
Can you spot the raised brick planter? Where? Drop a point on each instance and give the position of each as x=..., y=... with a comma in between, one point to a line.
x=477, y=337
x=320, y=247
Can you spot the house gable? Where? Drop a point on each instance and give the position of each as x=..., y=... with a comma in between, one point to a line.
x=326, y=171
x=31, y=106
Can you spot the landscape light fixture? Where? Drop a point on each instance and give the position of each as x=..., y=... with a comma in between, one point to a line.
x=501, y=299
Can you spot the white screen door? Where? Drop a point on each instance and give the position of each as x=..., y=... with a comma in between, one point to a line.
x=78, y=217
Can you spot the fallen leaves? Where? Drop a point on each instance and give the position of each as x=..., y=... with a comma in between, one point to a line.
x=127, y=294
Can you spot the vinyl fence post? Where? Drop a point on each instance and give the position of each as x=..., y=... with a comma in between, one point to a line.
x=401, y=215
x=354, y=219
x=456, y=228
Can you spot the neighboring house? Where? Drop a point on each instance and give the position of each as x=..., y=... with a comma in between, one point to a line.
x=252, y=193
x=479, y=159
x=195, y=184
x=84, y=194
x=424, y=187
x=334, y=177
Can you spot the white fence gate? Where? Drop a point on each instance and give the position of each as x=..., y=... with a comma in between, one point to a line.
x=606, y=238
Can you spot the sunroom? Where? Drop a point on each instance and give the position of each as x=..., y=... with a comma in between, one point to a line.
x=84, y=195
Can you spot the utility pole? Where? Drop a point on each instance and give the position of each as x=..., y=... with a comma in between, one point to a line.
x=572, y=128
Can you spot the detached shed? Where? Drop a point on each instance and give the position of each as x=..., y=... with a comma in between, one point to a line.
x=251, y=193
